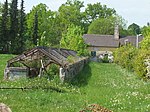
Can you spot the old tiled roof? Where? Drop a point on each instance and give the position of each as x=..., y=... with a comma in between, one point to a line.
x=108, y=40
x=100, y=40
x=130, y=39
x=50, y=55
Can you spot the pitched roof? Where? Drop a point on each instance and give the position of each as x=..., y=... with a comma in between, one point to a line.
x=109, y=40
x=130, y=39
x=100, y=40
x=50, y=55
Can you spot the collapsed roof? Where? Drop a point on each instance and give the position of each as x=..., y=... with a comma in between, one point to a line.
x=46, y=54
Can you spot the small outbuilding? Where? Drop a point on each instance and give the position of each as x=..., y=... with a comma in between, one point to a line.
x=33, y=62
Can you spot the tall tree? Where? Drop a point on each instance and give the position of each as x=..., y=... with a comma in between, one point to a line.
x=96, y=11
x=14, y=25
x=73, y=40
x=134, y=29
x=49, y=31
x=4, y=43
x=70, y=13
x=102, y=26
x=22, y=28
x=35, y=30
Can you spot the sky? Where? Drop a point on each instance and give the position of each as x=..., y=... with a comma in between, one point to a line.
x=133, y=11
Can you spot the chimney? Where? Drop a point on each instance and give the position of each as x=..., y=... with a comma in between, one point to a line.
x=116, y=32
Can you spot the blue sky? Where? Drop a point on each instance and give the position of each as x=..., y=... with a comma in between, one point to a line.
x=134, y=11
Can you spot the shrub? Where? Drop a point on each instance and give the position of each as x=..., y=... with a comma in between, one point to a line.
x=53, y=70
x=139, y=62
x=124, y=56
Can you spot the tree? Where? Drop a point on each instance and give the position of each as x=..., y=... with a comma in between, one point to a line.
x=95, y=11
x=102, y=26
x=145, y=44
x=4, y=43
x=48, y=28
x=134, y=29
x=35, y=30
x=22, y=28
x=70, y=13
x=14, y=26
x=73, y=40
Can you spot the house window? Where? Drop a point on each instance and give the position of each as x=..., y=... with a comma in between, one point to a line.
x=93, y=53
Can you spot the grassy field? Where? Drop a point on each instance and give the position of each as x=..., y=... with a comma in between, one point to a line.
x=105, y=84
x=3, y=60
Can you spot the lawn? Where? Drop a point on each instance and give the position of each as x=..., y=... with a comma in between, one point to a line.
x=99, y=83
x=3, y=60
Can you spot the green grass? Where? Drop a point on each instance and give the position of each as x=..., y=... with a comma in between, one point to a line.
x=105, y=84
x=3, y=59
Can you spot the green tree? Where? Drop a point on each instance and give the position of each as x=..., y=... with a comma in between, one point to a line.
x=145, y=44
x=73, y=40
x=4, y=33
x=14, y=26
x=95, y=11
x=102, y=26
x=22, y=28
x=48, y=26
x=134, y=29
x=35, y=30
x=70, y=13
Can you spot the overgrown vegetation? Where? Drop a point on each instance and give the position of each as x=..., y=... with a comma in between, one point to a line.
x=124, y=56
x=99, y=83
x=132, y=58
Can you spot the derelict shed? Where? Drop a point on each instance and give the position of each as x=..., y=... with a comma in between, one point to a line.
x=33, y=62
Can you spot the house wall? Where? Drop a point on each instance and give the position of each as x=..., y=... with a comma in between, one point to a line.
x=101, y=49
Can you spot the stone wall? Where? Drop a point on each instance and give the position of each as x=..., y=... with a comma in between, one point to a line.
x=69, y=72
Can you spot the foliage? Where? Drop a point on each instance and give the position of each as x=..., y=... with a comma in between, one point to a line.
x=146, y=31
x=22, y=28
x=71, y=59
x=53, y=71
x=4, y=29
x=139, y=62
x=145, y=44
x=134, y=29
x=3, y=59
x=73, y=40
x=70, y=13
x=124, y=56
x=112, y=86
x=48, y=27
x=35, y=30
x=14, y=26
x=102, y=26
x=105, y=59
x=95, y=11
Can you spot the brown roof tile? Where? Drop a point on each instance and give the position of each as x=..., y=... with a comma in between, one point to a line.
x=100, y=40
x=108, y=40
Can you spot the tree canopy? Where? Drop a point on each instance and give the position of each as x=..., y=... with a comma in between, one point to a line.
x=44, y=27
x=102, y=26
x=134, y=29
x=73, y=40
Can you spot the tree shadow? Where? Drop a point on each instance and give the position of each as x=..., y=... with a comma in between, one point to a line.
x=83, y=77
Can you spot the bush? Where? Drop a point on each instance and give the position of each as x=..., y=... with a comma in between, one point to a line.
x=124, y=56
x=53, y=71
x=139, y=62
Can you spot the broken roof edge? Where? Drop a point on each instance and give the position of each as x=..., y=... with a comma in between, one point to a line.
x=51, y=53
